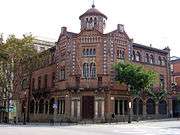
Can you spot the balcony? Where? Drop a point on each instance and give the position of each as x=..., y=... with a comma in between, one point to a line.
x=84, y=84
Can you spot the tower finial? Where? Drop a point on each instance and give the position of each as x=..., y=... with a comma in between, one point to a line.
x=93, y=5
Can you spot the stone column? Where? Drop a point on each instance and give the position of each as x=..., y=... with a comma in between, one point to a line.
x=72, y=108
x=55, y=109
x=102, y=108
x=96, y=109
x=144, y=109
x=169, y=107
x=122, y=107
x=78, y=109
x=118, y=107
x=156, y=108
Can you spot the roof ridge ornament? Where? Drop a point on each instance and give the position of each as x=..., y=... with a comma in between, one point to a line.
x=93, y=5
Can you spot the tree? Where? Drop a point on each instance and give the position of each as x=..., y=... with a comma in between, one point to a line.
x=136, y=78
x=157, y=95
x=19, y=61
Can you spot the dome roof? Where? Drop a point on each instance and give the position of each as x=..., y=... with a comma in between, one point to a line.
x=92, y=11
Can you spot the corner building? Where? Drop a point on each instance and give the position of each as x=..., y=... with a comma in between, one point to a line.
x=78, y=82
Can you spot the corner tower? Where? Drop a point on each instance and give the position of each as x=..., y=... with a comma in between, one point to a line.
x=93, y=19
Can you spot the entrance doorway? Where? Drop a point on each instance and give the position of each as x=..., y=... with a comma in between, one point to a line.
x=87, y=107
x=176, y=108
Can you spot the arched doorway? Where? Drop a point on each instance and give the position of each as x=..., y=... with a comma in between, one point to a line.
x=32, y=106
x=150, y=106
x=162, y=107
x=51, y=109
x=137, y=106
x=41, y=106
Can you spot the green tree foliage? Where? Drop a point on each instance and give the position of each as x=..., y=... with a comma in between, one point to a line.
x=17, y=59
x=157, y=95
x=135, y=77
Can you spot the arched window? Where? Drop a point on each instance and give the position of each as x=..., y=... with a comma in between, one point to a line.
x=87, y=51
x=91, y=20
x=162, y=107
x=163, y=61
x=51, y=109
x=86, y=70
x=32, y=106
x=147, y=58
x=137, y=106
x=118, y=54
x=93, y=70
x=159, y=60
x=134, y=56
x=94, y=51
x=138, y=56
x=46, y=107
x=161, y=82
x=91, y=52
x=84, y=52
x=150, y=106
x=86, y=20
x=95, y=21
x=151, y=59
x=41, y=106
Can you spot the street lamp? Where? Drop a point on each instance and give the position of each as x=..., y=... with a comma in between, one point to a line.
x=129, y=116
x=24, y=121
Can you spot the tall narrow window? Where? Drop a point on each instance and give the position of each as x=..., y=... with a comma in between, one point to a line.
x=163, y=62
x=147, y=58
x=159, y=60
x=162, y=82
x=95, y=21
x=53, y=78
x=93, y=70
x=39, y=82
x=138, y=56
x=151, y=59
x=86, y=70
x=62, y=73
x=134, y=56
x=45, y=81
x=94, y=51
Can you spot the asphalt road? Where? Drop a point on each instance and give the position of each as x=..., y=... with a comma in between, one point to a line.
x=140, y=128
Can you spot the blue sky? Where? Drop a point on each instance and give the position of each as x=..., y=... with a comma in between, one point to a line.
x=155, y=22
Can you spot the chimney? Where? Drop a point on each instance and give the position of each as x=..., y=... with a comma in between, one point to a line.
x=120, y=27
x=63, y=30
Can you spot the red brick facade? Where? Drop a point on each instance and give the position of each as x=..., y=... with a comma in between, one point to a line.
x=83, y=85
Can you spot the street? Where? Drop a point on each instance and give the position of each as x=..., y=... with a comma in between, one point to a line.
x=140, y=128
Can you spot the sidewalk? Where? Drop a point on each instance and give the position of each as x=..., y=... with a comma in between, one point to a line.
x=74, y=124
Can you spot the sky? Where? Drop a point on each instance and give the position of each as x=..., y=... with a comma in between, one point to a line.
x=155, y=22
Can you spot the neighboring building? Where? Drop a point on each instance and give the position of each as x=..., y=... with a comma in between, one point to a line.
x=77, y=80
x=175, y=69
x=42, y=45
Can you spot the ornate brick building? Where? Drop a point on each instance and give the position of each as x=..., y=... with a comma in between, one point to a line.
x=77, y=80
x=175, y=69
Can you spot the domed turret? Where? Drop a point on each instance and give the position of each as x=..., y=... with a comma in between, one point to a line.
x=93, y=19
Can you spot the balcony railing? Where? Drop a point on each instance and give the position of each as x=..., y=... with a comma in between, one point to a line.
x=87, y=85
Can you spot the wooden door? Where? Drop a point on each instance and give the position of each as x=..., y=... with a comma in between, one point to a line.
x=87, y=107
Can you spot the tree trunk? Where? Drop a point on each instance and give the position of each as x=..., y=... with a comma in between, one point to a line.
x=137, y=110
x=28, y=99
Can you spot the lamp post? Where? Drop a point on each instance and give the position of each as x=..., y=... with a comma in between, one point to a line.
x=129, y=116
x=24, y=120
